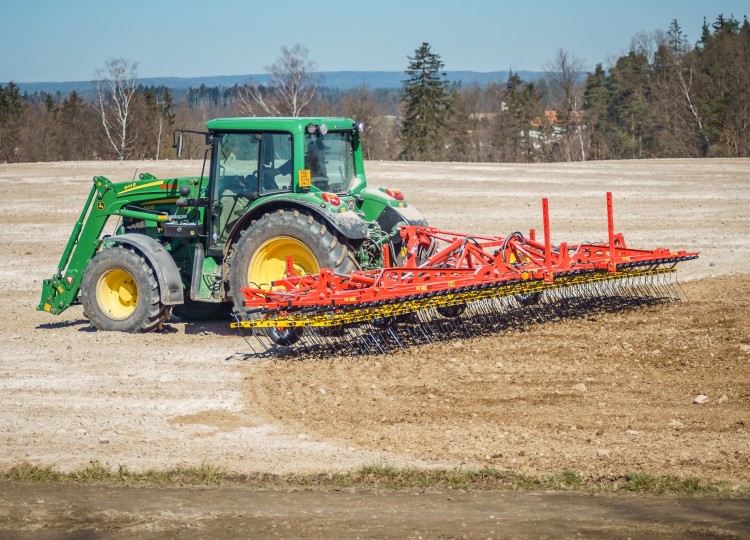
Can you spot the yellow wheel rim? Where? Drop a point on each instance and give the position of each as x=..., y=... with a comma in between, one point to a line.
x=117, y=294
x=268, y=263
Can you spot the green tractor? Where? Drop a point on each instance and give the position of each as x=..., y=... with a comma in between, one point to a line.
x=280, y=195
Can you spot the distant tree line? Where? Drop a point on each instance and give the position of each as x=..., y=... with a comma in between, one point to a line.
x=663, y=98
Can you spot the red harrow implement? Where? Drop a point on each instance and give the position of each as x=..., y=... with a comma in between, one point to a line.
x=454, y=285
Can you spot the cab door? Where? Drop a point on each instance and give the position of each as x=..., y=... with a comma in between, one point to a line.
x=245, y=167
x=234, y=173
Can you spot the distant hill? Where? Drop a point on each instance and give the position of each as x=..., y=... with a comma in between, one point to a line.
x=341, y=80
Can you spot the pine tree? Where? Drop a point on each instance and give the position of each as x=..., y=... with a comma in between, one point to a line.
x=457, y=144
x=426, y=106
x=630, y=103
x=596, y=100
x=11, y=114
x=517, y=131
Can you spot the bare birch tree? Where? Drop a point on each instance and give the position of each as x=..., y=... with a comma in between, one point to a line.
x=293, y=84
x=115, y=86
x=564, y=73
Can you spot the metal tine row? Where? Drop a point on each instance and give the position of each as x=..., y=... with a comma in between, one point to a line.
x=478, y=318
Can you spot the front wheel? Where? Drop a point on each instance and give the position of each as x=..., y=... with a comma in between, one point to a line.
x=119, y=292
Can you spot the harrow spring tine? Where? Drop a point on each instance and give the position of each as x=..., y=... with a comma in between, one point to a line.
x=673, y=286
x=360, y=341
x=302, y=345
x=447, y=329
x=392, y=332
x=638, y=288
x=498, y=314
x=651, y=286
x=376, y=340
x=490, y=308
x=365, y=341
x=351, y=340
x=465, y=325
x=342, y=339
x=407, y=332
x=262, y=339
x=416, y=334
x=425, y=324
x=249, y=340
x=681, y=294
x=369, y=343
x=654, y=287
x=670, y=281
x=257, y=339
x=420, y=327
x=315, y=340
x=332, y=338
x=428, y=320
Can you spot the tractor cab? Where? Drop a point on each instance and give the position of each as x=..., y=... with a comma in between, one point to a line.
x=274, y=162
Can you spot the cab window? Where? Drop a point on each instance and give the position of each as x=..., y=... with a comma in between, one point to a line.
x=330, y=159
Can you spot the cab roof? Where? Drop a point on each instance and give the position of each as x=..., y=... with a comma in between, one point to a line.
x=293, y=125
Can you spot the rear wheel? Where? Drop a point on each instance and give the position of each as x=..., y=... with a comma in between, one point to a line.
x=119, y=292
x=260, y=255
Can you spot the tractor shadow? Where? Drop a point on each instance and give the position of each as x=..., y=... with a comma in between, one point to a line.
x=215, y=327
x=82, y=323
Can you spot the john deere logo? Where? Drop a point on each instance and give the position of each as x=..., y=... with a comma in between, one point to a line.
x=100, y=205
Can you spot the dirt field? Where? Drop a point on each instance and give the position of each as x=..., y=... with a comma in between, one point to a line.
x=607, y=395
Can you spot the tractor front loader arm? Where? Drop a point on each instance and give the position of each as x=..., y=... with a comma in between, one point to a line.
x=61, y=290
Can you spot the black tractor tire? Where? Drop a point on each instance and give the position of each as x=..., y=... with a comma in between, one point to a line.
x=120, y=292
x=271, y=232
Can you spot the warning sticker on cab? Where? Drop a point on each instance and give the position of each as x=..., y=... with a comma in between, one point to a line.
x=304, y=178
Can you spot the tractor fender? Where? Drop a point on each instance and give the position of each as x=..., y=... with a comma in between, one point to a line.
x=167, y=273
x=348, y=224
x=393, y=215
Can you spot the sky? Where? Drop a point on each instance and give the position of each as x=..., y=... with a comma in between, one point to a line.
x=57, y=41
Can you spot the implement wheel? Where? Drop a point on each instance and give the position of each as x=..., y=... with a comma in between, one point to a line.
x=259, y=258
x=119, y=292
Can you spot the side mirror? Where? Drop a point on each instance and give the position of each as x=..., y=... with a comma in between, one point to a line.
x=177, y=144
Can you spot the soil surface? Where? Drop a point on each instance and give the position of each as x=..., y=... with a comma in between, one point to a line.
x=55, y=511
x=603, y=394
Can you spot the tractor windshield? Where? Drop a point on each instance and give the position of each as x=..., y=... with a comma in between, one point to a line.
x=330, y=159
